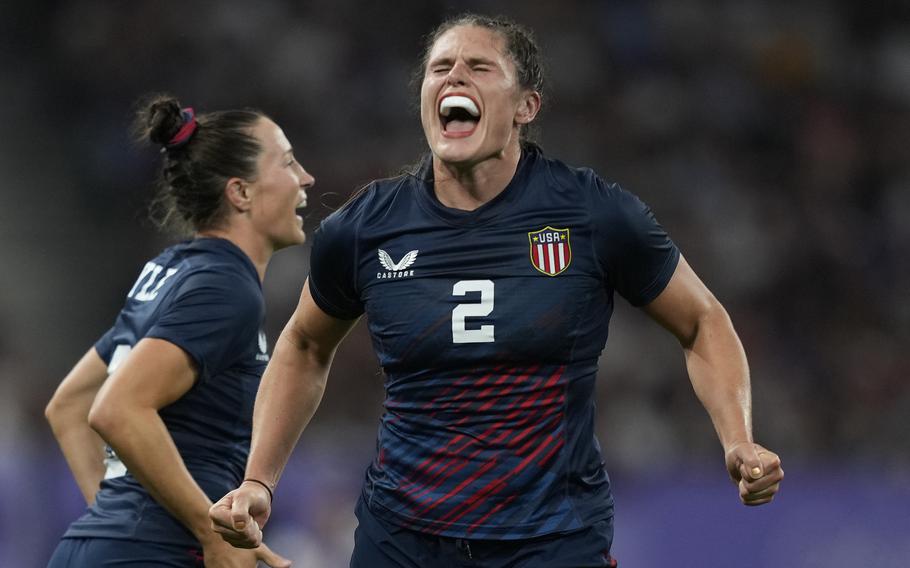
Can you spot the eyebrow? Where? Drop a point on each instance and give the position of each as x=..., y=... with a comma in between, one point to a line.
x=478, y=59
x=474, y=60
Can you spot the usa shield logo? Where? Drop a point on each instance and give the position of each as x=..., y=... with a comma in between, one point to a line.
x=550, y=250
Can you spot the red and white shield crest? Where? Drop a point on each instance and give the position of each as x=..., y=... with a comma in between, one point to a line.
x=550, y=250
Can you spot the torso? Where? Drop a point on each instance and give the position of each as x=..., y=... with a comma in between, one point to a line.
x=489, y=336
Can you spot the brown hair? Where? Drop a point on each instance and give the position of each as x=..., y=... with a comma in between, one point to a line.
x=190, y=194
x=520, y=44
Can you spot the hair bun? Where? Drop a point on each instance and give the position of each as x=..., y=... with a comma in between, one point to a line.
x=163, y=119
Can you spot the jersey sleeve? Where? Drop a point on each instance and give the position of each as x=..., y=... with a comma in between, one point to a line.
x=105, y=346
x=635, y=252
x=333, y=269
x=213, y=317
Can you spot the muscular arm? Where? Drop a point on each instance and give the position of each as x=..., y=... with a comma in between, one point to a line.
x=719, y=374
x=67, y=413
x=292, y=386
x=715, y=357
x=125, y=413
x=290, y=391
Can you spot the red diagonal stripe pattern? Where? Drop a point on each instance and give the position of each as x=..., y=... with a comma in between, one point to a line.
x=524, y=436
x=436, y=462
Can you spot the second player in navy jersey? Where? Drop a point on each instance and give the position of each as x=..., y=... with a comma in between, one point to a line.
x=487, y=276
x=170, y=387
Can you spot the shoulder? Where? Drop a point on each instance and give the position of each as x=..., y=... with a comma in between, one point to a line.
x=217, y=287
x=610, y=206
x=373, y=199
x=369, y=205
x=216, y=273
x=588, y=184
x=580, y=181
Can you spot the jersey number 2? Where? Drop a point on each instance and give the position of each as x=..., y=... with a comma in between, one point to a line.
x=483, y=334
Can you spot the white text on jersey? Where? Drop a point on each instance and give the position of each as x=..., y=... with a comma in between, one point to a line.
x=148, y=276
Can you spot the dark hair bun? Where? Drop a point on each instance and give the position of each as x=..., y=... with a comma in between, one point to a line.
x=210, y=149
x=163, y=119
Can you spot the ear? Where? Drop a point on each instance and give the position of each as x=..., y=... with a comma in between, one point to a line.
x=237, y=193
x=528, y=107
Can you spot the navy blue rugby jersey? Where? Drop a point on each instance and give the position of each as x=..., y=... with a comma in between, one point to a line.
x=205, y=297
x=488, y=325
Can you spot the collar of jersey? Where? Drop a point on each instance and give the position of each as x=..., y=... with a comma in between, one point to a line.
x=486, y=212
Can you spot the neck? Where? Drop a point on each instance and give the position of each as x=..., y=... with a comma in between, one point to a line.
x=253, y=245
x=468, y=186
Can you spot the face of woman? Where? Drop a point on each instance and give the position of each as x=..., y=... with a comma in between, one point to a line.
x=471, y=103
x=279, y=188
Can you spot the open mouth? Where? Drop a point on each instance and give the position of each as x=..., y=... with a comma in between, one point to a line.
x=459, y=115
x=301, y=204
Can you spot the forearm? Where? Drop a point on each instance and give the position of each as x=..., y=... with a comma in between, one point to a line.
x=142, y=442
x=289, y=394
x=82, y=447
x=67, y=412
x=719, y=373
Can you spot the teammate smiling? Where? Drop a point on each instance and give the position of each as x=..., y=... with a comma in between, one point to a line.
x=490, y=342
x=170, y=387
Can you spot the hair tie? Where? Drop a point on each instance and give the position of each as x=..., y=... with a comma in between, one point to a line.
x=186, y=131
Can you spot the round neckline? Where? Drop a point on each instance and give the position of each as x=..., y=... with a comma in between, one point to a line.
x=426, y=195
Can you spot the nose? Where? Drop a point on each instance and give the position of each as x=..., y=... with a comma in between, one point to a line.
x=306, y=180
x=457, y=74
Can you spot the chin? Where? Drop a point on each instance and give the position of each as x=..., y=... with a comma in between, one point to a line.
x=456, y=152
x=298, y=237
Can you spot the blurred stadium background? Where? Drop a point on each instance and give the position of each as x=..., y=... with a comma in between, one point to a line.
x=772, y=138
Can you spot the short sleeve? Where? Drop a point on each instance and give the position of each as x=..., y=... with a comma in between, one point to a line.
x=105, y=346
x=214, y=317
x=635, y=252
x=333, y=268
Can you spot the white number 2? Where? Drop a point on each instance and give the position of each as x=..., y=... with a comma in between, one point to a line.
x=484, y=334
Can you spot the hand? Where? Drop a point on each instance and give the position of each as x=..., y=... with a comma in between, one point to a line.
x=240, y=515
x=756, y=470
x=219, y=554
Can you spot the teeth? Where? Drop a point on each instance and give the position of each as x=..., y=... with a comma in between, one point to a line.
x=456, y=101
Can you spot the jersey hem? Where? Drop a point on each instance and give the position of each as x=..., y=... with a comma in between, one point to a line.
x=86, y=533
x=464, y=530
x=329, y=307
x=653, y=290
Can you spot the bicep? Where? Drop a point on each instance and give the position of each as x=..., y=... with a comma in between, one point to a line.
x=312, y=329
x=683, y=303
x=155, y=374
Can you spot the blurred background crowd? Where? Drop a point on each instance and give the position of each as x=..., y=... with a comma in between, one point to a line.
x=771, y=138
